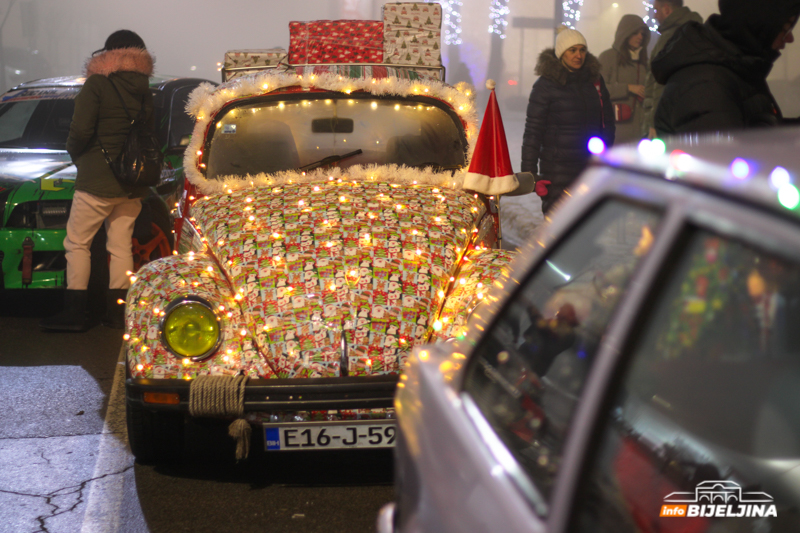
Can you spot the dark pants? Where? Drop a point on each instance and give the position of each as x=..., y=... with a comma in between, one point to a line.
x=558, y=183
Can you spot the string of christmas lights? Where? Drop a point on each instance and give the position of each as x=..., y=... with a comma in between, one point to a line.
x=571, y=12
x=451, y=20
x=498, y=12
x=650, y=15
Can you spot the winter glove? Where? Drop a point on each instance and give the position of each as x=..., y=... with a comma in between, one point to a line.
x=541, y=187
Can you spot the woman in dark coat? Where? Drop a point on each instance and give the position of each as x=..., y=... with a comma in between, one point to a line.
x=99, y=120
x=569, y=104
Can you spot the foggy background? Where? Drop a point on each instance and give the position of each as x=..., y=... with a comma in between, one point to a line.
x=47, y=38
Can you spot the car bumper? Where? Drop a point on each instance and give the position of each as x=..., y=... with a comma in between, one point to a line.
x=280, y=395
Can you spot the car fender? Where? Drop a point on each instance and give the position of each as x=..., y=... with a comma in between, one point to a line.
x=160, y=283
x=481, y=271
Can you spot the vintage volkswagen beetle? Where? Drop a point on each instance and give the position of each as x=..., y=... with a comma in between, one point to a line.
x=323, y=233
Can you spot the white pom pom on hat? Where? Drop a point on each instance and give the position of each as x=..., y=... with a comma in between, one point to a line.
x=567, y=38
x=490, y=84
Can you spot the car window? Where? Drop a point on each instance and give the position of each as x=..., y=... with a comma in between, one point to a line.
x=36, y=123
x=708, y=411
x=181, y=123
x=528, y=371
x=273, y=136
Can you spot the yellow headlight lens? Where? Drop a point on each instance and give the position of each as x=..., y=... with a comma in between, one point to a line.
x=191, y=330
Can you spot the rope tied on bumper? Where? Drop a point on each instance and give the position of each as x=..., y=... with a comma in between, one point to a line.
x=222, y=397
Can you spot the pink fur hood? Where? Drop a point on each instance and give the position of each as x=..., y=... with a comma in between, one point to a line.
x=121, y=59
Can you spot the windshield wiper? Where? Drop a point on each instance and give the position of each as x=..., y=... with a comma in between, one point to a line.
x=328, y=160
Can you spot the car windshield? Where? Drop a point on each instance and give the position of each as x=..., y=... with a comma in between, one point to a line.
x=277, y=135
x=36, y=123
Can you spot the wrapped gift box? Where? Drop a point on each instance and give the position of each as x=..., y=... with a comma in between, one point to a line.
x=412, y=34
x=336, y=41
x=241, y=62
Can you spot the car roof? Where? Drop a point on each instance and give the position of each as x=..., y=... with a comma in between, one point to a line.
x=755, y=166
x=67, y=82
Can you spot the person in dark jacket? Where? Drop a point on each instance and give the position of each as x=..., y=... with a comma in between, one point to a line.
x=624, y=70
x=99, y=120
x=569, y=104
x=670, y=15
x=715, y=74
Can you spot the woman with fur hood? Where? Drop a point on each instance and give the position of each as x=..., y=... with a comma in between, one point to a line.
x=569, y=104
x=624, y=69
x=100, y=119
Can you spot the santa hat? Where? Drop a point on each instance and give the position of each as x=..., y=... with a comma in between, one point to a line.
x=490, y=169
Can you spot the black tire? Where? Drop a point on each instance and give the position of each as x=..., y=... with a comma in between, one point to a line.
x=155, y=437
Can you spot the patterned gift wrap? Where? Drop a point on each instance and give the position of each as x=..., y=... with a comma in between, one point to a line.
x=375, y=72
x=336, y=41
x=412, y=34
x=236, y=61
x=479, y=271
x=310, y=264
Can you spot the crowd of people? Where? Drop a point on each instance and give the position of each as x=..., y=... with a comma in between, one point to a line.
x=698, y=77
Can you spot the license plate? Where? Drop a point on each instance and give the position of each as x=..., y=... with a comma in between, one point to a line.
x=330, y=435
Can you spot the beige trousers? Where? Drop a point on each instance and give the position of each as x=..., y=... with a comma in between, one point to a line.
x=87, y=214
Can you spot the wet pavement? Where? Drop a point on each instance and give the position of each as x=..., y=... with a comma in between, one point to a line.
x=65, y=465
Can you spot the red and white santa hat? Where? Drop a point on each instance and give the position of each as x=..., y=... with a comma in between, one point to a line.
x=490, y=169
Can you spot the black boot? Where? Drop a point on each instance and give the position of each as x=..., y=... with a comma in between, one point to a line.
x=115, y=311
x=72, y=317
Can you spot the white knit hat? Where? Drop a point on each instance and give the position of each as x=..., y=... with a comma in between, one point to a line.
x=568, y=38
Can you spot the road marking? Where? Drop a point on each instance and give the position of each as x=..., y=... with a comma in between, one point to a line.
x=113, y=457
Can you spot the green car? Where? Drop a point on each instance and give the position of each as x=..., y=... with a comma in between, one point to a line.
x=37, y=181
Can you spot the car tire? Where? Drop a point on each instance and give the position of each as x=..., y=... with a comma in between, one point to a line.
x=152, y=233
x=155, y=437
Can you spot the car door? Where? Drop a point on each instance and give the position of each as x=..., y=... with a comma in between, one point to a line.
x=694, y=423
x=179, y=128
x=525, y=377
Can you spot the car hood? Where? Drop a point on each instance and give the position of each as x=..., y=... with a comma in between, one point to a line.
x=338, y=268
x=20, y=165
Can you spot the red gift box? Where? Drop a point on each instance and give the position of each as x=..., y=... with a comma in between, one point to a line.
x=336, y=41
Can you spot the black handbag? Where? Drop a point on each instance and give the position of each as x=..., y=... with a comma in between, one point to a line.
x=139, y=162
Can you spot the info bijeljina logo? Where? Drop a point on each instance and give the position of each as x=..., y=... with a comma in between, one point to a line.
x=718, y=499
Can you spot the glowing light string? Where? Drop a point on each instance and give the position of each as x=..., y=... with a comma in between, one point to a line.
x=498, y=12
x=571, y=12
x=649, y=18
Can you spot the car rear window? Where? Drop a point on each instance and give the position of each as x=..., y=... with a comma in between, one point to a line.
x=704, y=432
x=527, y=374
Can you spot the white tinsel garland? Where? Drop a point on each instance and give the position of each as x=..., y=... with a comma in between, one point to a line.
x=397, y=174
x=206, y=100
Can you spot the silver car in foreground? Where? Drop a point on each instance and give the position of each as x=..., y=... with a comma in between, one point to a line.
x=637, y=368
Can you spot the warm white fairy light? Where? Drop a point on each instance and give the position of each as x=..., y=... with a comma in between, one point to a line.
x=498, y=13
x=571, y=12
x=649, y=18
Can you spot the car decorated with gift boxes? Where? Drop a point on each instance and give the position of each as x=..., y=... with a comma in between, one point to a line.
x=327, y=226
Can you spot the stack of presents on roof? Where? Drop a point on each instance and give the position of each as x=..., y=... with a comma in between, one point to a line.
x=405, y=44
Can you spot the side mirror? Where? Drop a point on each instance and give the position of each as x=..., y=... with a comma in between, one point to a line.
x=526, y=184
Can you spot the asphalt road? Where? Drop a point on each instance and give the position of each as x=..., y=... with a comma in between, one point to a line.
x=65, y=465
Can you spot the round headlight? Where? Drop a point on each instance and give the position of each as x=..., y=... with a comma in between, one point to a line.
x=190, y=328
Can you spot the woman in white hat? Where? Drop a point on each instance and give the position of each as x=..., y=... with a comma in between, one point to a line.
x=569, y=104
